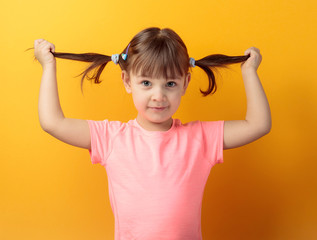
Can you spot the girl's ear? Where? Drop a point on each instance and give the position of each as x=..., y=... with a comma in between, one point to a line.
x=126, y=81
x=186, y=82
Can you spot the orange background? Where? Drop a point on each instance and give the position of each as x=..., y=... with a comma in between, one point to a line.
x=263, y=190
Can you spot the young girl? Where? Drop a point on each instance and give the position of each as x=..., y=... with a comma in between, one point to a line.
x=157, y=166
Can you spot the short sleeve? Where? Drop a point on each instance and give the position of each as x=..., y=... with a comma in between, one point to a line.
x=213, y=132
x=101, y=135
x=99, y=141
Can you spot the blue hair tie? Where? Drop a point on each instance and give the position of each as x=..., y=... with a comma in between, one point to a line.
x=115, y=57
x=192, y=62
x=125, y=55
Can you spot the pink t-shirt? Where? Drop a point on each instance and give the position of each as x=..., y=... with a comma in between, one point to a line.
x=156, y=179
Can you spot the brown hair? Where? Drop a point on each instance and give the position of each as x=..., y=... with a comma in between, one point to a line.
x=155, y=52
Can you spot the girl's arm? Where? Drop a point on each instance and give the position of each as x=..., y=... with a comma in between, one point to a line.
x=257, y=122
x=52, y=120
x=50, y=111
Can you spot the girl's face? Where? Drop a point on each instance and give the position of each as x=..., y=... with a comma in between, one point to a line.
x=156, y=100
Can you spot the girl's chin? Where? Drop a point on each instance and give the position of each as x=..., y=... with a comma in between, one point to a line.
x=155, y=119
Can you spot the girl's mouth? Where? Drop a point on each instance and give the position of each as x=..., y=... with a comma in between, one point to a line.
x=158, y=108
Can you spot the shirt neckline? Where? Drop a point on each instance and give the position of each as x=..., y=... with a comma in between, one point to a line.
x=155, y=133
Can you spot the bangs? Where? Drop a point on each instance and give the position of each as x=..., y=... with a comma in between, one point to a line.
x=160, y=59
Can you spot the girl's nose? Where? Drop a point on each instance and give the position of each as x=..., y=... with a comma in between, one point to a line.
x=158, y=95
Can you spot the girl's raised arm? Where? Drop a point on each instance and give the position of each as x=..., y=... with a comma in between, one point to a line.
x=52, y=120
x=257, y=122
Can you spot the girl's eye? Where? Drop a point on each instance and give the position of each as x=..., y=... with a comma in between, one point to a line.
x=171, y=84
x=145, y=83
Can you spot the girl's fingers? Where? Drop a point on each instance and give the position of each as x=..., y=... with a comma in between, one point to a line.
x=53, y=47
x=254, y=60
x=39, y=41
x=250, y=50
x=44, y=44
x=36, y=43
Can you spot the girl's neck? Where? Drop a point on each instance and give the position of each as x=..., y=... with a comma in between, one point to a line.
x=152, y=126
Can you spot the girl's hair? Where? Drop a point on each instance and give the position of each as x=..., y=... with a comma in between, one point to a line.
x=155, y=52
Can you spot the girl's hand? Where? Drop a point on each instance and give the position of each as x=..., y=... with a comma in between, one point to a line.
x=253, y=61
x=42, y=52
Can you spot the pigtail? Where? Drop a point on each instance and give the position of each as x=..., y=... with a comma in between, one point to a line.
x=212, y=62
x=98, y=61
